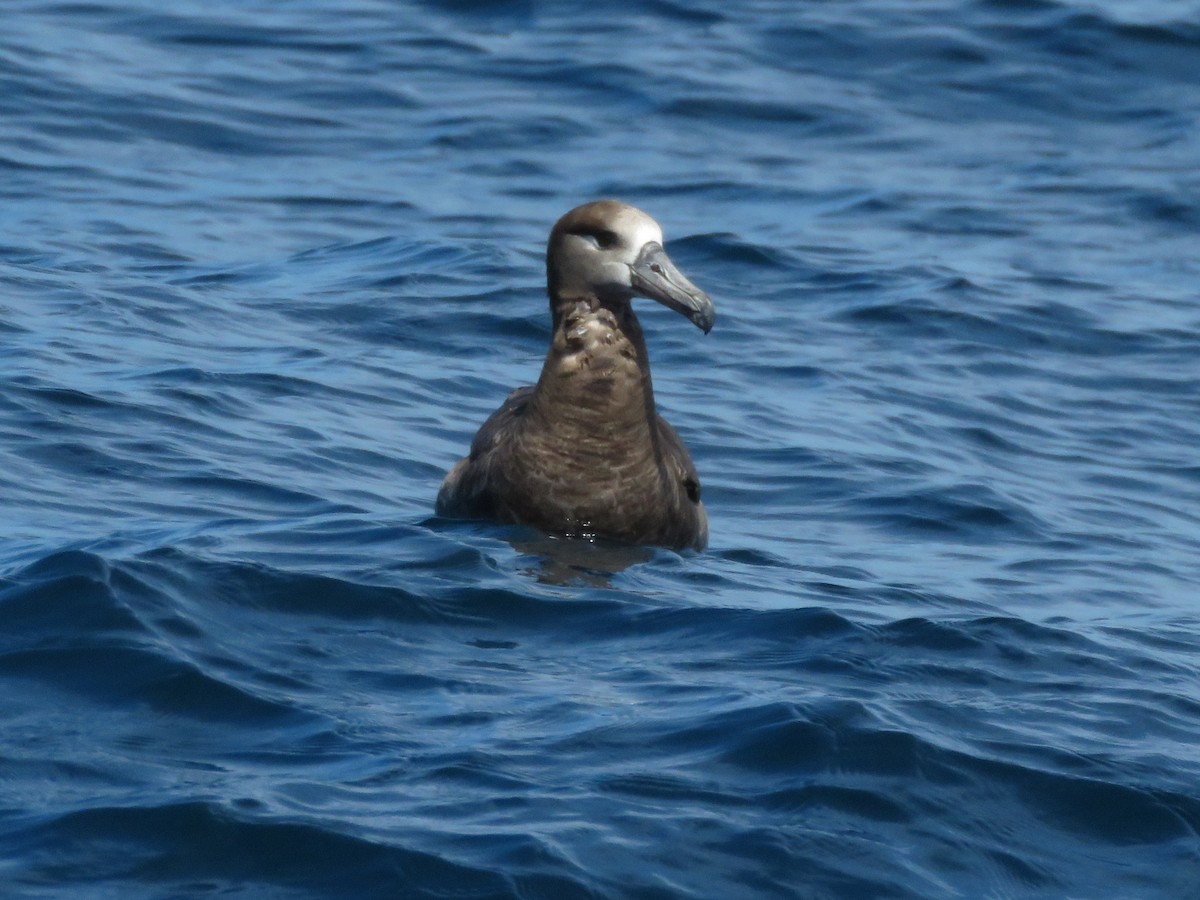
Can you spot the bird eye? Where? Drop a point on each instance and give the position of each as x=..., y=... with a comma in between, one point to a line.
x=602, y=239
x=607, y=239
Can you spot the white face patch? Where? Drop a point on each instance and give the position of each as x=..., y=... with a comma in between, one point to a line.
x=638, y=229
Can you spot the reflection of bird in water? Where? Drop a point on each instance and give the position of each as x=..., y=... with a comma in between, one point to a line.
x=583, y=451
x=565, y=560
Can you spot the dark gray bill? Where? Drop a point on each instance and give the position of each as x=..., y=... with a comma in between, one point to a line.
x=655, y=276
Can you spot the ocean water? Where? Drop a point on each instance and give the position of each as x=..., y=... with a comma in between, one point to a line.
x=264, y=269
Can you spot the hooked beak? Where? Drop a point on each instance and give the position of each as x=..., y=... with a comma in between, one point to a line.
x=653, y=275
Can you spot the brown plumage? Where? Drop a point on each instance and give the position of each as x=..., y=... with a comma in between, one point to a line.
x=583, y=451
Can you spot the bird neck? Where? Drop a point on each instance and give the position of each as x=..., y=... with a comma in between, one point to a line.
x=596, y=378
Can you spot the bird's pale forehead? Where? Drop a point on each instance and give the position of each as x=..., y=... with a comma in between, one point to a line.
x=636, y=227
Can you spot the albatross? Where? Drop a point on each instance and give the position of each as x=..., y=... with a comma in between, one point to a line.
x=584, y=452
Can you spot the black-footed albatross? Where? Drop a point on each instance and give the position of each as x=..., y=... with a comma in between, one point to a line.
x=583, y=451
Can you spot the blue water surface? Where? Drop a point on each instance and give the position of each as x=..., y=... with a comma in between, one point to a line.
x=264, y=269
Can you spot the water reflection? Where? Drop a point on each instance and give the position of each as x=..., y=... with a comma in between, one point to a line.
x=592, y=562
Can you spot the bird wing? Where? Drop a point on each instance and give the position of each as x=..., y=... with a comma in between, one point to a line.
x=464, y=490
x=499, y=422
x=678, y=460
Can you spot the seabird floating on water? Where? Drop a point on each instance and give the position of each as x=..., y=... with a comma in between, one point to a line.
x=583, y=452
